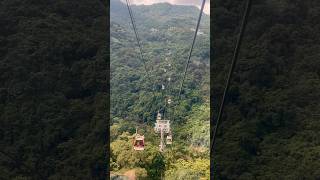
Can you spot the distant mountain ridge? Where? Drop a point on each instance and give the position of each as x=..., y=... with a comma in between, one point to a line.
x=160, y=13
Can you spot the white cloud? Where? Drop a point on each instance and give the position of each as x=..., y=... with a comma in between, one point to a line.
x=196, y=3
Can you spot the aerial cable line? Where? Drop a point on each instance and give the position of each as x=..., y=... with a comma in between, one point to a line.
x=191, y=49
x=140, y=46
x=190, y=53
x=167, y=91
x=234, y=60
x=139, y=43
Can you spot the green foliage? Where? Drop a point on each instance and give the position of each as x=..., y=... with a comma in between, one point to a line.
x=141, y=173
x=268, y=127
x=197, y=125
x=165, y=32
x=189, y=170
x=130, y=88
x=123, y=153
x=53, y=89
x=157, y=167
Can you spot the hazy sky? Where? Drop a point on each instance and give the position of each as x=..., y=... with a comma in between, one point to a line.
x=179, y=2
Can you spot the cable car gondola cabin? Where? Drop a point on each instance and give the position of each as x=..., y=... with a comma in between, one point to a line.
x=138, y=143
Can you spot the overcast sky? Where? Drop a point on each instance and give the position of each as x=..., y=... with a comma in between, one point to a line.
x=179, y=2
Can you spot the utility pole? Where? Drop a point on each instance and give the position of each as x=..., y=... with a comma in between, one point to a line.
x=162, y=127
x=161, y=140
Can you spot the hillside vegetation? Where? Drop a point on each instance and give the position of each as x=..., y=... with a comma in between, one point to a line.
x=166, y=32
x=270, y=128
x=53, y=89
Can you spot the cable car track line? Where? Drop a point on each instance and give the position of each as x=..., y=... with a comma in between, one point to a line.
x=189, y=57
x=138, y=42
x=191, y=49
x=234, y=60
x=144, y=62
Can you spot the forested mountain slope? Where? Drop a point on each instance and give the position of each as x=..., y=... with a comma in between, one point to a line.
x=271, y=124
x=53, y=89
x=166, y=32
x=162, y=43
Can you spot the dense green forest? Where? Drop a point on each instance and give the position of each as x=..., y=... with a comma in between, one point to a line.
x=270, y=128
x=166, y=32
x=53, y=89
